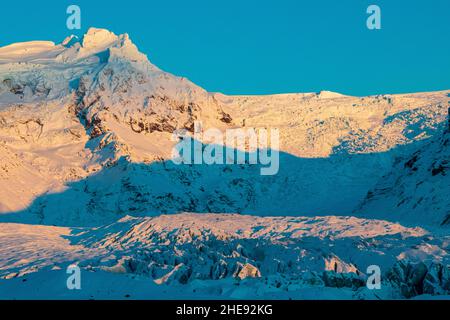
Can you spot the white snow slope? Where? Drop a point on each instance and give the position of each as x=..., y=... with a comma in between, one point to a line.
x=86, y=177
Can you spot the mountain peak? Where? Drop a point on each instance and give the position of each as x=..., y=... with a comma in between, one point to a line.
x=97, y=41
x=95, y=38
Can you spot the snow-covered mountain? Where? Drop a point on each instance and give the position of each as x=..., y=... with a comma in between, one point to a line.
x=67, y=112
x=86, y=135
x=417, y=187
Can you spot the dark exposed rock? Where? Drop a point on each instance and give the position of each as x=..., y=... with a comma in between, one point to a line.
x=226, y=118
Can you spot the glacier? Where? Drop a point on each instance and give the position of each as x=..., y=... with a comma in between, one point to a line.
x=87, y=178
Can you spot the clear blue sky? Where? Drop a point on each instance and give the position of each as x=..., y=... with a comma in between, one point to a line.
x=261, y=46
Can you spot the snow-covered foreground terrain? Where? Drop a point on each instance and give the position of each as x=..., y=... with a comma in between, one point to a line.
x=86, y=177
x=223, y=256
